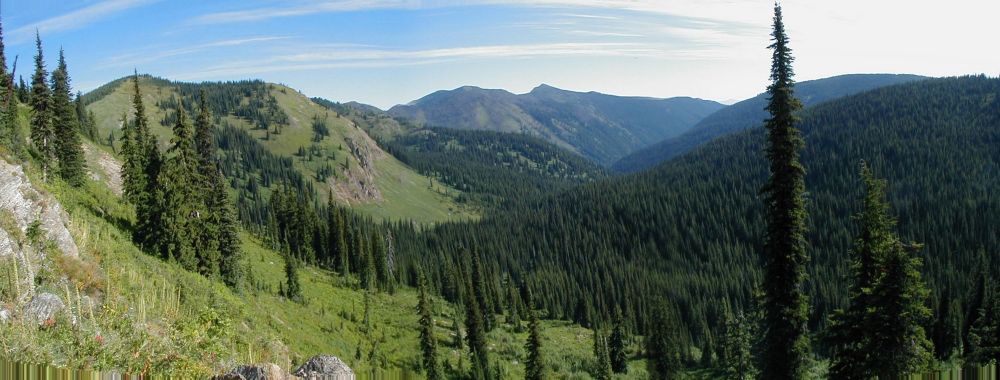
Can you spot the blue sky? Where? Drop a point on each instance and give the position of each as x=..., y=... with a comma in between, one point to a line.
x=386, y=52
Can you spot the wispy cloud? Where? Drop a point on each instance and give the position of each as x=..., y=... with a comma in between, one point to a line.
x=136, y=58
x=266, y=13
x=336, y=58
x=76, y=19
x=727, y=10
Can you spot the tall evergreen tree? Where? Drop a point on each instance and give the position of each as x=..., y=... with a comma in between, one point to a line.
x=881, y=333
x=204, y=143
x=534, y=364
x=293, y=288
x=475, y=333
x=42, y=131
x=947, y=341
x=68, y=149
x=602, y=360
x=616, y=345
x=737, y=357
x=899, y=342
x=786, y=347
x=229, y=244
x=662, y=357
x=974, y=302
x=984, y=335
x=428, y=344
x=181, y=209
x=850, y=330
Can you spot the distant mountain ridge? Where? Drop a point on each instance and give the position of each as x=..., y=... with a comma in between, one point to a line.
x=598, y=126
x=751, y=113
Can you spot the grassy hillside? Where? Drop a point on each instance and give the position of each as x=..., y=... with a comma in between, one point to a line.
x=750, y=113
x=151, y=316
x=354, y=169
x=599, y=127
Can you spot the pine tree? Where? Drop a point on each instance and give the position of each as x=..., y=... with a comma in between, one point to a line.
x=180, y=194
x=946, y=328
x=849, y=331
x=616, y=345
x=42, y=131
x=479, y=291
x=534, y=364
x=204, y=144
x=602, y=360
x=984, y=335
x=786, y=347
x=899, y=342
x=293, y=288
x=975, y=302
x=475, y=334
x=737, y=358
x=228, y=238
x=428, y=344
x=662, y=358
x=68, y=149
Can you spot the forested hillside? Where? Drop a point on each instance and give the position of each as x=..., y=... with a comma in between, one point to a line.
x=690, y=230
x=267, y=130
x=599, y=127
x=750, y=113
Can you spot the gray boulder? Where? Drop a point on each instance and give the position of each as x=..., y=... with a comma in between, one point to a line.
x=42, y=307
x=325, y=367
x=263, y=371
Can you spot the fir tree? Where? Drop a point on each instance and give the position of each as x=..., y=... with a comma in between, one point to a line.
x=984, y=335
x=182, y=207
x=203, y=140
x=946, y=328
x=602, y=361
x=68, y=150
x=475, y=334
x=616, y=345
x=662, y=357
x=479, y=291
x=737, y=358
x=786, y=347
x=42, y=131
x=293, y=288
x=428, y=344
x=899, y=342
x=534, y=364
x=849, y=331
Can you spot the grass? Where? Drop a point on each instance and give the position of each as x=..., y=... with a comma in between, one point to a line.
x=405, y=194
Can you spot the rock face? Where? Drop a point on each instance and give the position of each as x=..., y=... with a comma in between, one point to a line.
x=21, y=205
x=263, y=371
x=325, y=367
x=43, y=307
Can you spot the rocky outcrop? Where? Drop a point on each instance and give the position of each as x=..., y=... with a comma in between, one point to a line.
x=262, y=371
x=21, y=205
x=43, y=307
x=325, y=367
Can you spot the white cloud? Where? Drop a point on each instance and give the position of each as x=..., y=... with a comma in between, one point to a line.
x=152, y=55
x=320, y=58
x=76, y=19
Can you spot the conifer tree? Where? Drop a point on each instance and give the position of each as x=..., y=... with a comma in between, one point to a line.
x=616, y=345
x=475, y=333
x=984, y=335
x=204, y=144
x=946, y=328
x=42, y=131
x=975, y=302
x=602, y=361
x=428, y=344
x=479, y=291
x=662, y=357
x=881, y=333
x=849, y=331
x=182, y=201
x=737, y=358
x=293, y=288
x=900, y=343
x=229, y=244
x=68, y=150
x=786, y=347
x=534, y=364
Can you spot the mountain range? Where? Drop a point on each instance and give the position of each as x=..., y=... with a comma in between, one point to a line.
x=600, y=127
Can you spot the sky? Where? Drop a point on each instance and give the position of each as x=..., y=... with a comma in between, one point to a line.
x=387, y=52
